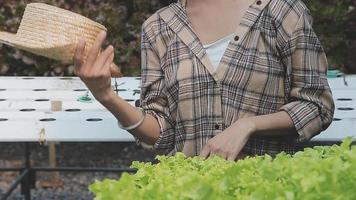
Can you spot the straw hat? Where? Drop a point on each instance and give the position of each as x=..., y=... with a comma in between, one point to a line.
x=53, y=32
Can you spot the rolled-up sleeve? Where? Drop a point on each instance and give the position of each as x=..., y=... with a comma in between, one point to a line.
x=310, y=103
x=153, y=98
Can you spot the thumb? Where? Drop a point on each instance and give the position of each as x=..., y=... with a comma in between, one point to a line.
x=115, y=71
x=205, y=152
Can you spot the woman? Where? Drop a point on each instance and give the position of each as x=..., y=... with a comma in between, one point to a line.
x=228, y=78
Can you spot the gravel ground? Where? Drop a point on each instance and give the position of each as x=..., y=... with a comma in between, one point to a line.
x=72, y=155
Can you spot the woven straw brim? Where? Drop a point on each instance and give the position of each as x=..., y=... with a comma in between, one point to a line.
x=7, y=38
x=52, y=32
x=63, y=52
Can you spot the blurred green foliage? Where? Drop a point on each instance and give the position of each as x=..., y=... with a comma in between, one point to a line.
x=334, y=22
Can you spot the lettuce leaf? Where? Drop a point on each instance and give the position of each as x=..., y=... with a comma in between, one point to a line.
x=315, y=173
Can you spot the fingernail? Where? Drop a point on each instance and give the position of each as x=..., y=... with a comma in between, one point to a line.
x=103, y=33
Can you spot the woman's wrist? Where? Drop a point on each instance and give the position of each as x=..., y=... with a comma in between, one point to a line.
x=248, y=125
x=106, y=97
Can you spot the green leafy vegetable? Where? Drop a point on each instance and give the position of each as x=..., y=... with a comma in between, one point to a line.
x=315, y=173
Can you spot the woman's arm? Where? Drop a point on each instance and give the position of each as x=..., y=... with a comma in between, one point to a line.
x=230, y=142
x=95, y=73
x=275, y=124
x=148, y=132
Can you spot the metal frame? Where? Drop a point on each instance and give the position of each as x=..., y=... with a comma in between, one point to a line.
x=27, y=176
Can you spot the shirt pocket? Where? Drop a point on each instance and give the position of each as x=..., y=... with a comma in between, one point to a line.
x=267, y=62
x=263, y=84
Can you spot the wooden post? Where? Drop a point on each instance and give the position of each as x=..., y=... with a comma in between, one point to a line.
x=53, y=177
x=55, y=106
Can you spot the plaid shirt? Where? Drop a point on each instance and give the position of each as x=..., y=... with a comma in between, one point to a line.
x=275, y=63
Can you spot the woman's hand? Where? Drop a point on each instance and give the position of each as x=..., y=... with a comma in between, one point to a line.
x=95, y=70
x=230, y=142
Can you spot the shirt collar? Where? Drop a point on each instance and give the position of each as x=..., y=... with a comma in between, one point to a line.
x=176, y=18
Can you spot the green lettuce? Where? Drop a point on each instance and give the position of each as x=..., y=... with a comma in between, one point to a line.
x=327, y=172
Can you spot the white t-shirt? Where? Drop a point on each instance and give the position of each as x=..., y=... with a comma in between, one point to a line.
x=216, y=49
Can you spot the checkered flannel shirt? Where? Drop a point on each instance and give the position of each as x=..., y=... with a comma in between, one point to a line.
x=275, y=63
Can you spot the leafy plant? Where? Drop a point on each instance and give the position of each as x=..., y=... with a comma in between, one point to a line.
x=315, y=173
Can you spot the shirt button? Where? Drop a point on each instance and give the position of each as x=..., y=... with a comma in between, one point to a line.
x=217, y=126
x=236, y=38
x=259, y=2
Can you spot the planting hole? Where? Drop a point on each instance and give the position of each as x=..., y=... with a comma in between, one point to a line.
x=344, y=99
x=120, y=90
x=345, y=109
x=80, y=90
x=47, y=120
x=136, y=91
x=94, y=120
x=41, y=99
x=27, y=109
x=66, y=78
x=73, y=110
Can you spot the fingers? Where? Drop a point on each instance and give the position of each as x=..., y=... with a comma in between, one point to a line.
x=231, y=158
x=108, y=62
x=104, y=57
x=95, y=49
x=206, y=151
x=78, y=55
x=95, y=61
x=228, y=153
x=233, y=155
